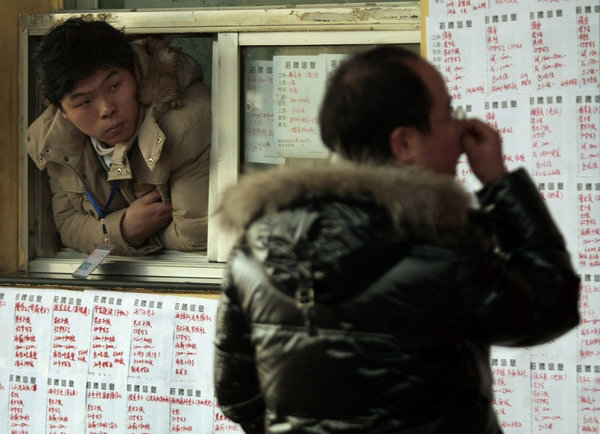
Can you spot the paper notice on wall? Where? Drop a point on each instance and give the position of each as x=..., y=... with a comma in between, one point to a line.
x=151, y=350
x=106, y=406
x=191, y=408
x=588, y=390
x=553, y=385
x=299, y=85
x=588, y=38
x=111, y=334
x=512, y=389
x=32, y=330
x=148, y=406
x=27, y=398
x=458, y=56
x=508, y=53
x=193, y=353
x=66, y=404
x=259, y=135
x=71, y=328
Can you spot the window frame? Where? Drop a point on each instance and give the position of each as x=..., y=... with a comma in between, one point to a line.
x=232, y=28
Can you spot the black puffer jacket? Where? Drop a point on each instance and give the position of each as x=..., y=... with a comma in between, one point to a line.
x=365, y=300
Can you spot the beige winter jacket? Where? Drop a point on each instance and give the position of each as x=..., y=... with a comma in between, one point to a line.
x=172, y=154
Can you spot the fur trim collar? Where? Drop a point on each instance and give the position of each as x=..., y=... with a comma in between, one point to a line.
x=165, y=73
x=413, y=197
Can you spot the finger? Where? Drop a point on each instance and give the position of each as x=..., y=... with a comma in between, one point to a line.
x=151, y=197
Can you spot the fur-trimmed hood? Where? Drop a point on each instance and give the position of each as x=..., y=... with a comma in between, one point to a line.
x=165, y=73
x=414, y=198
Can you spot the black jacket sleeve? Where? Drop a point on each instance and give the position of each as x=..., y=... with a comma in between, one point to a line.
x=528, y=288
x=236, y=381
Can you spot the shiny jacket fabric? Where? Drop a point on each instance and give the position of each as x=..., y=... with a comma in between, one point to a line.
x=365, y=300
x=172, y=154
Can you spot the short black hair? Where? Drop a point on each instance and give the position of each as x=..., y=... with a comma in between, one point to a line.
x=75, y=50
x=367, y=97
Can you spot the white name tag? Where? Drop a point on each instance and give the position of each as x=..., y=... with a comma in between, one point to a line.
x=92, y=261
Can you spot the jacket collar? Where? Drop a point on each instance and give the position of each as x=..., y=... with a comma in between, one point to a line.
x=413, y=197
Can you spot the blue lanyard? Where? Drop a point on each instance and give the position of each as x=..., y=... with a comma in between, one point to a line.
x=101, y=212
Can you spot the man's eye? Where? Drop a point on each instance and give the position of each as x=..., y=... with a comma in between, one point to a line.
x=83, y=104
x=115, y=86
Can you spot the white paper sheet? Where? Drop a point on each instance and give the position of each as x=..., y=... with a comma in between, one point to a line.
x=299, y=85
x=148, y=406
x=111, y=334
x=553, y=383
x=588, y=216
x=588, y=37
x=508, y=53
x=71, y=328
x=588, y=391
x=512, y=389
x=193, y=344
x=151, y=350
x=259, y=136
x=27, y=396
x=587, y=120
x=458, y=55
x=589, y=329
x=553, y=136
x=66, y=409
x=32, y=330
x=191, y=408
x=553, y=30
x=106, y=406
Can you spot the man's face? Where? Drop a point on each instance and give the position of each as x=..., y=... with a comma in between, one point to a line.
x=104, y=105
x=439, y=148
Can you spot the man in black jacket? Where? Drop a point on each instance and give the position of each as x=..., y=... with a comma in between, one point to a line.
x=364, y=296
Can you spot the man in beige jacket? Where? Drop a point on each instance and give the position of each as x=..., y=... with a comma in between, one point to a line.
x=125, y=140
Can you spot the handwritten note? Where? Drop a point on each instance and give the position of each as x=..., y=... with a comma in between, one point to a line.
x=299, y=85
x=553, y=384
x=588, y=216
x=259, y=135
x=105, y=406
x=509, y=62
x=457, y=55
x=512, y=389
x=194, y=333
x=111, y=334
x=71, y=327
x=588, y=383
x=31, y=331
x=588, y=37
x=27, y=397
x=152, y=337
x=589, y=308
x=66, y=408
x=148, y=406
x=191, y=409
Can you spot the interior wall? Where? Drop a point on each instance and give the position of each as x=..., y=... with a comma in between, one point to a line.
x=9, y=117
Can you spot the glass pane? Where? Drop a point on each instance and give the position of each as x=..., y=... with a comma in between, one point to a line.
x=282, y=92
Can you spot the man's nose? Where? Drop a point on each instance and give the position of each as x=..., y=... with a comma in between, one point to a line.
x=107, y=107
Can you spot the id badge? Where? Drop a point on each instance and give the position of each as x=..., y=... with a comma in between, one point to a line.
x=92, y=261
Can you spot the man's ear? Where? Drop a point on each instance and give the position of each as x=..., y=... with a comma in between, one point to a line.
x=403, y=145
